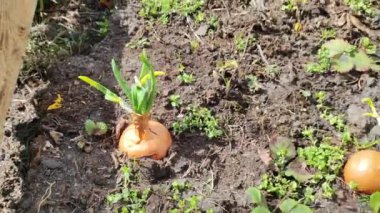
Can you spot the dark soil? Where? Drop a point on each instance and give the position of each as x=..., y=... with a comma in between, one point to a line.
x=41, y=152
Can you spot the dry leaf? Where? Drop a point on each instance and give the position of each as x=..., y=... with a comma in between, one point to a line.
x=56, y=136
x=57, y=103
x=298, y=27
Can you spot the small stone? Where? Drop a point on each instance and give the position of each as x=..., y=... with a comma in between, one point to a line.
x=202, y=30
x=374, y=133
x=87, y=148
x=51, y=163
x=56, y=136
x=355, y=117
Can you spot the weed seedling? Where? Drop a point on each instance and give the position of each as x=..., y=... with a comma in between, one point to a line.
x=194, y=45
x=253, y=83
x=198, y=118
x=374, y=202
x=368, y=45
x=188, y=205
x=139, y=43
x=104, y=26
x=272, y=70
x=213, y=22
x=95, y=128
x=361, y=6
x=342, y=57
x=286, y=206
x=200, y=17
x=186, y=78
x=162, y=9
x=175, y=101
x=130, y=200
x=327, y=34
x=242, y=42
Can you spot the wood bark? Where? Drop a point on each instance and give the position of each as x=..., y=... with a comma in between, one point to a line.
x=16, y=17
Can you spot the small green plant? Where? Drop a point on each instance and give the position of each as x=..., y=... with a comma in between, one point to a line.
x=286, y=206
x=175, y=100
x=128, y=200
x=342, y=57
x=282, y=151
x=186, y=78
x=104, y=26
x=326, y=158
x=272, y=70
x=198, y=118
x=257, y=199
x=308, y=133
x=189, y=205
x=324, y=62
x=200, y=17
x=374, y=202
x=139, y=43
x=223, y=66
x=162, y=9
x=194, y=45
x=242, y=42
x=368, y=45
x=292, y=5
x=95, y=128
x=373, y=112
x=292, y=206
x=213, y=23
x=279, y=185
x=253, y=83
x=327, y=34
x=361, y=6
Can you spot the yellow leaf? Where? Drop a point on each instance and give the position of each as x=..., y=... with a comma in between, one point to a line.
x=147, y=76
x=298, y=27
x=57, y=103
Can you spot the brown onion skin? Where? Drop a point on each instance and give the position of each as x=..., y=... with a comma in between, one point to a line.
x=363, y=168
x=155, y=142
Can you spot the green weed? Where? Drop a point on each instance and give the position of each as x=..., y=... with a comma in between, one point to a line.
x=286, y=206
x=194, y=45
x=272, y=70
x=361, y=6
x=198, y=118
x=213, y=23
x=292, y=5
x=189, y=205
x=328, y=34
x=130, y=200
x=186, y=78
x=162, y=9
x=374, y=202
x=324, y=62
x=242, y=42
x=175, y=100
x=253, y=83
x=139, y=43
x=342, y=57
x=368, y=45
x=95, y=128
x=104, y=26
x=200, y=17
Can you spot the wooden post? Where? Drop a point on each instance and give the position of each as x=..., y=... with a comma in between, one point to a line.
x=16, y=17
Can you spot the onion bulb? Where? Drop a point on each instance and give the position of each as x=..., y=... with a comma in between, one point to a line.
x=145, y=138
x=363, y=169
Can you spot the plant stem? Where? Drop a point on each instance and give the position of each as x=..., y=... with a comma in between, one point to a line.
x=141, y=123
